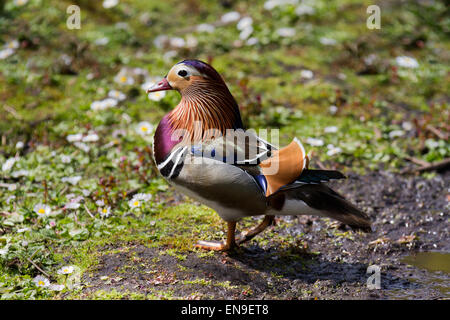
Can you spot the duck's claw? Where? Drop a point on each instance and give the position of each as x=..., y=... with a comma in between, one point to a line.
x=220, y=246
x=213, y=245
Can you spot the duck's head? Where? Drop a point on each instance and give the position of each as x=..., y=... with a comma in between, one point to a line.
x=188, y=74
x=205, y=99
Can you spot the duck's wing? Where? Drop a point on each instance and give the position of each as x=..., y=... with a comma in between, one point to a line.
x=237, y=147
x=272, y=168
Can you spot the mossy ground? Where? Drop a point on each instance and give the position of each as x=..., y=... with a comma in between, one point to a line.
x=385, y=114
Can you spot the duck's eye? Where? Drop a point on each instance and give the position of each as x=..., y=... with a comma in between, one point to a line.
x=182, y=73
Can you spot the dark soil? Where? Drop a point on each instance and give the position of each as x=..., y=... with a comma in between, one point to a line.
x=307, y=257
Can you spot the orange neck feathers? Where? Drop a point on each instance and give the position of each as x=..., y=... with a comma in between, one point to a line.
x=205, y=107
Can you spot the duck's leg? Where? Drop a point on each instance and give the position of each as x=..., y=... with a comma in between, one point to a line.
x=220, y=246
x=247, y=235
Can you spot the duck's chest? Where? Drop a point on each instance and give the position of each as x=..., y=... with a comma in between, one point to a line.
x=167, y=151
x=163, y=141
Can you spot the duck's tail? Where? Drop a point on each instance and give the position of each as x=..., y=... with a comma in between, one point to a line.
x=331, y=204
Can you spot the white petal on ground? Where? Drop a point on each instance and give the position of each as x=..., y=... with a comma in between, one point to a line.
x=396, y=133
x=161, y=41
x=177, y=42
x=407, y=126
x=56, y=287
x=108, y=4
x=332, y=150
x=142, y=196
x=230, y=17
x=65, y=158
x=331, y=129
x=307, y=74
x=333, y=109
x=103, y=104
x=72, y=180
x=244, y=23
x=13, y=44
x=20, y=173
x=286, y=32
x=74, y=137
x=82, y=146
x=205, y=27
x=91, y=137
x=102, y=41
x=252, y=41
x=327, y=41
x=191, y=41
x=271, y=4
x=407, y=62
x=72, y=205
x=5, y=53
x=8, y=164
x=169, y=55
x=431, y=144
x=304, y=9
x=246, y=33
x=19, y=3
x=100, y=203
x=315, y=142
x=10, y=198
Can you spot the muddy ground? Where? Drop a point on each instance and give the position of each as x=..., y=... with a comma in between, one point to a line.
x=319, y=258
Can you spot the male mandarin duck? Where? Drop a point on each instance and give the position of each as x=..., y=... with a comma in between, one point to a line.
x=201, y=148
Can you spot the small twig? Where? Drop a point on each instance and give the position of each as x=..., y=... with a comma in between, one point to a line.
x=34, y=253
x=88, y=211
x=63, y=190
x=37, y=267
x=320, y=165
x=6, y=185
x=418, y=161
x=437, y=132
x=440, y=165
x=12, y=111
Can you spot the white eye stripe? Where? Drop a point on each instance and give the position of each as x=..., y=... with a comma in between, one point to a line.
x=191, y=71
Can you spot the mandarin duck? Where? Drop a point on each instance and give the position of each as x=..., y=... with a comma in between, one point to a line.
x=202, y=149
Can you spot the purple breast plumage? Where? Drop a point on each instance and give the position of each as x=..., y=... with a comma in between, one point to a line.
x=163, y=141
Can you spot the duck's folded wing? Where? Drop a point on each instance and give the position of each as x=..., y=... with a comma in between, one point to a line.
x=270, y=167
x=237, y=147
x=284, y=166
